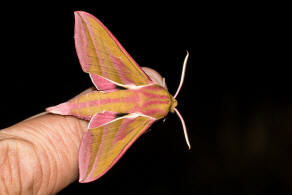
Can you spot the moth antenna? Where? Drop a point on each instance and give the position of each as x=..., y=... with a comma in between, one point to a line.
x=182, y=75
x=184, y=128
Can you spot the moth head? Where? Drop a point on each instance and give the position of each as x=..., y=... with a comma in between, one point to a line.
x=173, y=104
x=158, y=79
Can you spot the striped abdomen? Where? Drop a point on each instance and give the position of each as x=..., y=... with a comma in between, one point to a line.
x=154, y=101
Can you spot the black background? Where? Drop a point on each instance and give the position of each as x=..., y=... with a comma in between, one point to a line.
x=236, y=99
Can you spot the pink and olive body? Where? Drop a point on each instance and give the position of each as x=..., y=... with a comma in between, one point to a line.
x=127, y=99
x=153, y=101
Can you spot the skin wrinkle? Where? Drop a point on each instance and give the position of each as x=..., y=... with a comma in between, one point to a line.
x=4, y=185
x=35, y=165
x=49, y=151
x=9, y=165
x=66, y=133
x=35, y=182
x=51, y=148
x=3, y=156
x=56, y=158
x=39, y=142
x=14, y=149
x=44, y=156
x=3, y=179
x=59, y=154
x=39, y=179
x=80, y=133
x=55, y=141
x=67, y=157
x=17, y=159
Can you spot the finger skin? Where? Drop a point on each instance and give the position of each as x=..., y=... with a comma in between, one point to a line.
x=40, y=155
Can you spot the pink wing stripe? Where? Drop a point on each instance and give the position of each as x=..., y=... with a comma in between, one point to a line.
x=120, y=67
x=114, y=38
x=119, y=156
x=101, y=118
x=123, y=131
x=101, y=83
x=96, y=47
x=81, y=43
x=125, y=149
x=85, y=153
x=105, y=131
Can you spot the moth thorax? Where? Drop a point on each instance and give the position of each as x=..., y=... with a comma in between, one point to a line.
x=173, y=104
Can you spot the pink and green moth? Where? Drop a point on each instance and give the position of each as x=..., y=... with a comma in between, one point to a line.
x=127, y=101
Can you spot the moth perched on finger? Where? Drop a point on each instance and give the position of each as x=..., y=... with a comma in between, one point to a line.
x=127, y=99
